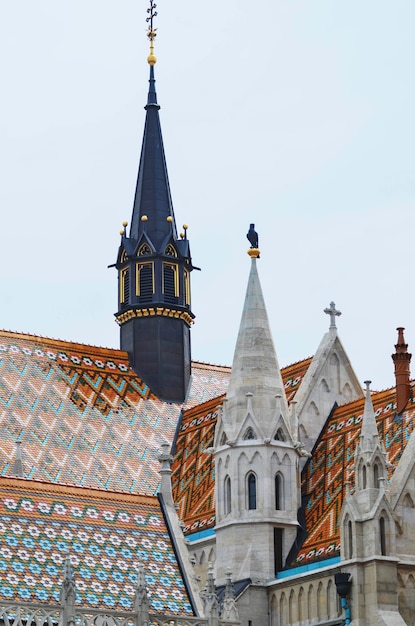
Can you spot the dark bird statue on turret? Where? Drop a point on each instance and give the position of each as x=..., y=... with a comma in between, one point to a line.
x=252, y=236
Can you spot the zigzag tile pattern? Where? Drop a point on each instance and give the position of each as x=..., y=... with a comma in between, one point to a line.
x=106, y=534
x=83, y=416
x=332, y=465
x=193, y=470
x=193, y=477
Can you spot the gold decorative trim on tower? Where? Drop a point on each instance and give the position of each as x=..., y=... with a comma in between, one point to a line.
x=152, y=312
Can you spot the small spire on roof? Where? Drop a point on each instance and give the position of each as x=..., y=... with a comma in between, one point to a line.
x=141, y=599
x=369, y=435
x=209, y=597
x=17, y=469
x=68, y=588
x=151, y=32
x=229, y=609
x=333, y=314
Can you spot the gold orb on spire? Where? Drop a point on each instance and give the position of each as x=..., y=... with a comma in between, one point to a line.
x=254, y=253
x=169, y=218
x=144, y=218
x=125, y=224
x=151, y=59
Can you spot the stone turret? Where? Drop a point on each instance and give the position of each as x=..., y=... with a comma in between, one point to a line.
x=256, y=454
x=368, y=534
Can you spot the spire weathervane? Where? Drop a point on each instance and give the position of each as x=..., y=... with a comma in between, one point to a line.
x=151, y=31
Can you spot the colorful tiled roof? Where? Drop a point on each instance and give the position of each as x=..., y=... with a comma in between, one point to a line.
x=332, y=463
x=293, y=375
x=193, y=469
x=107, y=535
x=84, y=417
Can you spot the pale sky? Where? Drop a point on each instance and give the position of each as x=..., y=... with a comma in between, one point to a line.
x=297, y=115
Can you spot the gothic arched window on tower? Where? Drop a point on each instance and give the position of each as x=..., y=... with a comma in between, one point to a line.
x=145, y=281
x=251, y=484
x=227, y=496
x=376, y=474
x=187, y=287
x=382, y=535
x=364, y=477
x=125, y=285
x=144, y=249
x=349, y=540
x=279, y=435
x=170, y=282
x=170, y=251
x=279, y=496
x=249, y=434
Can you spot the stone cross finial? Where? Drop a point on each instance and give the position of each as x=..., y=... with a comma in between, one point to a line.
x=333, y=314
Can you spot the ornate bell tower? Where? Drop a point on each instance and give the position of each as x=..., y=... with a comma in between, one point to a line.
x=154, y=266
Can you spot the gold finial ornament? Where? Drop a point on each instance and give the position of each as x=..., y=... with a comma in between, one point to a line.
x=185, y=226
x=151, y=32
x=144, y=218
x=254, y=253
x=121, y=232
x=125, y=224
x=169, y=218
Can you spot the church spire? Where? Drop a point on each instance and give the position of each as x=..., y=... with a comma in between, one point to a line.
x=152, y=196
x=371, y=463
x=154, y=266
x=256, y=452
x=255, y=368
x=369, y=436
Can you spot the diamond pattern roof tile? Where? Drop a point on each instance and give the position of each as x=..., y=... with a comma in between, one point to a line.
x=107, y=534
x=84, y=417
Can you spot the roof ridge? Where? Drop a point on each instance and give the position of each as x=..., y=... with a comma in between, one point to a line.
x=43, y=486
x=205, y=364
x=32, y=337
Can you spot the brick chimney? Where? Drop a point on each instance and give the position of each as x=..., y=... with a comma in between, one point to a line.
x=402, y=359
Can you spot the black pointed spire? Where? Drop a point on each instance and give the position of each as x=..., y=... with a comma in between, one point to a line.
x=152, y=195
x=154, y=267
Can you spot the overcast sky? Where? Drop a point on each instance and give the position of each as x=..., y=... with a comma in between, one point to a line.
x=297, y=115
